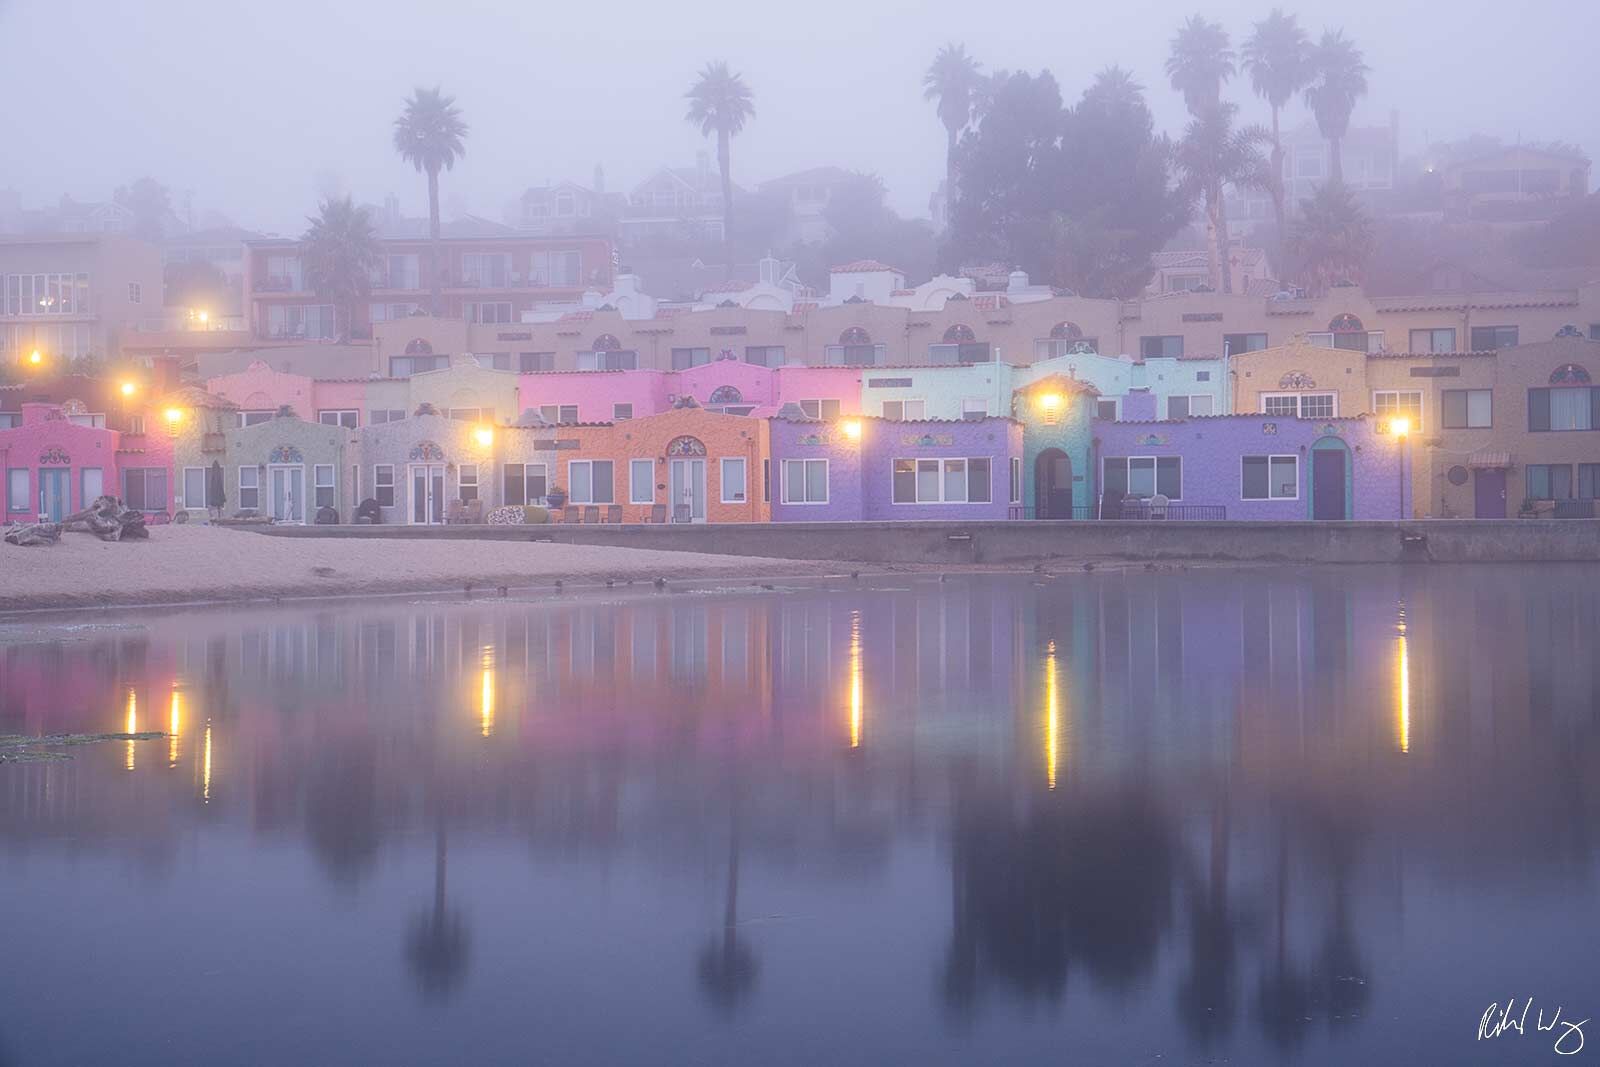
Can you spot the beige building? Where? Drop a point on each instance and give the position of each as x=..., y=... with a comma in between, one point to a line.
x=72, y=295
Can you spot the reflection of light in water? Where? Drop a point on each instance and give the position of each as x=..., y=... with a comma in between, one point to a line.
x=855, y=679
x=132, y=725
x=174, y=725
x=205, y=771
x=486, y=693
x=1403, y=685
x=1052, y=715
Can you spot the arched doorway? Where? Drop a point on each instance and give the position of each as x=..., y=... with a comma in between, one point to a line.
x=1052, y=485
x=1330, y=479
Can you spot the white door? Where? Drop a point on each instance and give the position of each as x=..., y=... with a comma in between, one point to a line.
x=688, y=487
x=427, y=493
x=93, y=485
x=288, y=494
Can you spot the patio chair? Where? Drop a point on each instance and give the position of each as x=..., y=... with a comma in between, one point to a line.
x=681, y=513
x=614, y=514
x=591, y=514
x=473, y=512
x=453, y=512
x=572, y=514
x=658, y=514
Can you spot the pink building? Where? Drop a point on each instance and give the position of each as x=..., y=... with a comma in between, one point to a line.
x=55, y=466
x=726, y=385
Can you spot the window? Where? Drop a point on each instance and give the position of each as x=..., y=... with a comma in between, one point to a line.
x=255, y=418
x=1300, y=405
x=135, y=424
x=145, y=488
x=1061, y=346
x=17, y=489
x=974, y=410
x=1467, y=409
x=1565, y=408
x=589, y=481
x=194, y=487
x=1354, y=341
x=322, y=484
x=406, y=366
x=1434, y=340
x=470, y=414
x=301, y=321
x=1487, y=338
x=348, y=419
x=826, y=410
x=383, y=485
x=560, y=414
x=1016, y=479
x=378, y=416
x=641, y=481
x=250, y=489
x=1549, y=481
x=523, y=483
x=92, y=420
x=1270, y=477
x=766, y=481
x=1234, y=343
x=1202, y=376
x=853, y=355
x=490, y=312
x=973, y=352
x=1143, y=476
x=467, y=482
x=135, y=293
x=942, y=481
x=1386, y=404
x=805, y=481
x=1106, y=409
x=621, y=412
x=684, y=358
x=733, y=481
x=1181, y=407
x=901, y=410
x=1594, y=331
x=536, y=362
x=613, y=360
x=1588, y=481
x=764, y=355
x=1168, y=347
x=47, y=294
x=493, y=360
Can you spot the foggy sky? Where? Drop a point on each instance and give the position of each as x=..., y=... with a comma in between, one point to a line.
x=257, y=106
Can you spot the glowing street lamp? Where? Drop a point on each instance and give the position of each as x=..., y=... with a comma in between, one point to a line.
x=128, y=388
x=173, y=415
x=852, y=429
x=484, y=436
x=36, y=357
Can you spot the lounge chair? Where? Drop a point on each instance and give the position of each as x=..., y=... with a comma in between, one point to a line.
x=473, y=512
x=614, y=513
x=572, y=514
x=658, y=514
x=681, y=513
x=454, y=512
x=591, y=514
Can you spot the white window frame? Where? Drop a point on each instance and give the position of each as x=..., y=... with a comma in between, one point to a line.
x=379, y=485
x=545, y=410
x=1191, y=398
x=1270, y=457
x=1416, y=423
x=969, y=414
x=253, y=487
x=649, y=468
x=941, y=461
x=813, y=408
x=1299, y=405
x=338, y=417
x=722, y=479
x=827, y=483
x=1432, y=349
x=463, y=483
x=255, y=418
x=1155, y=474
x=618, y=414
x=572, y=493
x=94, y=420
x=1116, y=407
x=1469, y=425
x=201, y=471
x=317, y=484
x=1016, y=479
x=922, y=410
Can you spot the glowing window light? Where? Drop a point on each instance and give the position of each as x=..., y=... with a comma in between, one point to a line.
x=855, y=679
x=1052, y=715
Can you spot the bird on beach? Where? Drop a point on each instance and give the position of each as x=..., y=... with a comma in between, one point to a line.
x=610, y=582
x=1088, y=566
x=856, y=575
x=558, y=585
x=502, y=591
x=660, y=583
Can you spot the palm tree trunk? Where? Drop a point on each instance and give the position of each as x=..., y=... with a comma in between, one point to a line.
x=1277, y=195
x=1222, y=241
x=725, y=164
x=433, y=241
x=1335, y=164
x=950, y=175
x=1213, y=258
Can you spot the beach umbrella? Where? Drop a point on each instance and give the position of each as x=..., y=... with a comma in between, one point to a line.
x=215, y=496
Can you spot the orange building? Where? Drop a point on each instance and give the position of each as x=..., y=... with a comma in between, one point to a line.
x=684, y=465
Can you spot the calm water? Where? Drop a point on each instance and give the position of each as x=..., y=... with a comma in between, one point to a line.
x=1322, y=816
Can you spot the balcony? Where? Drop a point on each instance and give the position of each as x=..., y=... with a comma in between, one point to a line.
x=278, y=283
x=185, y=322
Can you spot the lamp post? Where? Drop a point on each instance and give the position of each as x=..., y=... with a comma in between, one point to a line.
x=1400, y=426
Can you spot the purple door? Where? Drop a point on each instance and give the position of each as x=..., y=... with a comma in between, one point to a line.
x=1489, y=493
x=1327, y=483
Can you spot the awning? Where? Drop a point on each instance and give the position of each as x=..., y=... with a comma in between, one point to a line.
x=1489, y=460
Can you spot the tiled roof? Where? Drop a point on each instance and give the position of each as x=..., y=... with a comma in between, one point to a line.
x=1485, y=301
x=1240, y=415
x=192, y=396
x=986, y=301
x=576, y=316
x=1427, y=355
x=727, y=287
x=897, y=422
x=862, y=266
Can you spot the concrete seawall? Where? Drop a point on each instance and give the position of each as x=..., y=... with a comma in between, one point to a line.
x=1436, y=541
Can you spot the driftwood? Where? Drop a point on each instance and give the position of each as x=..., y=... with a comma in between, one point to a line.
x=108, y=520
x=32, y=534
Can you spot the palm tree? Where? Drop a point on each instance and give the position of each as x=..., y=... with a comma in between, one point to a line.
x=727, y=965
x=341, y=252
x=1214, y=153
x=719, y=102
x=1333, y=238
x=428, y=135
x=952, y=80
x=438, y=945
x=1338, y=78
x=1277, y=59
x=1200, y=62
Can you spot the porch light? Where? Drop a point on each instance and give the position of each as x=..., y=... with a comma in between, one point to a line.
x=1050, y=401
x=852, y=429
x=1400, y=426
x=35, y=357
x=173, y=415
x=128, y=388
x=484, y=435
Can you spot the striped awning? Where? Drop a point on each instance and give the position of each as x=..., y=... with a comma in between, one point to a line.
x=1489, y=460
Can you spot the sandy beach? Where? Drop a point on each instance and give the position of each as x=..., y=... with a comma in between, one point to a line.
x=181, y=564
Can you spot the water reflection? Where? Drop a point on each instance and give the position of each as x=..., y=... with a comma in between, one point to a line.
x=1245, y=813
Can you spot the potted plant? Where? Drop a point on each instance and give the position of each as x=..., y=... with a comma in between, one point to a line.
x=555, y=496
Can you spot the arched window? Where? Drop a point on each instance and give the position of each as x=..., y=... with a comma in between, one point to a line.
x=417, y=346
x=1066, y=331
x=1346, y=323
x=606, y=343
x=686, y=446
x=726, y=394
x=1569, y=374
x=855, y=335
x=959, y=334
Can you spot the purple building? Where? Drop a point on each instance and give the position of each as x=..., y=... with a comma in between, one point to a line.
x=1258, y=467
x=876, y=470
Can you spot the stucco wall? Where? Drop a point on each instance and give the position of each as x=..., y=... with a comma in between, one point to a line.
x=596, y=393
x=288, y=442
x=45, y=439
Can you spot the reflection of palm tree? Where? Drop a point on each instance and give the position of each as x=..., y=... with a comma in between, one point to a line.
x=728, y=966
x=1205, y=996
x=1284, y=996
x=438, y=946
x=1341, y=964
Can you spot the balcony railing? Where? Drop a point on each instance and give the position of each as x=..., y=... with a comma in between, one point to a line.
x=278, y=283
x=1144, y=510
x=1078, y=512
